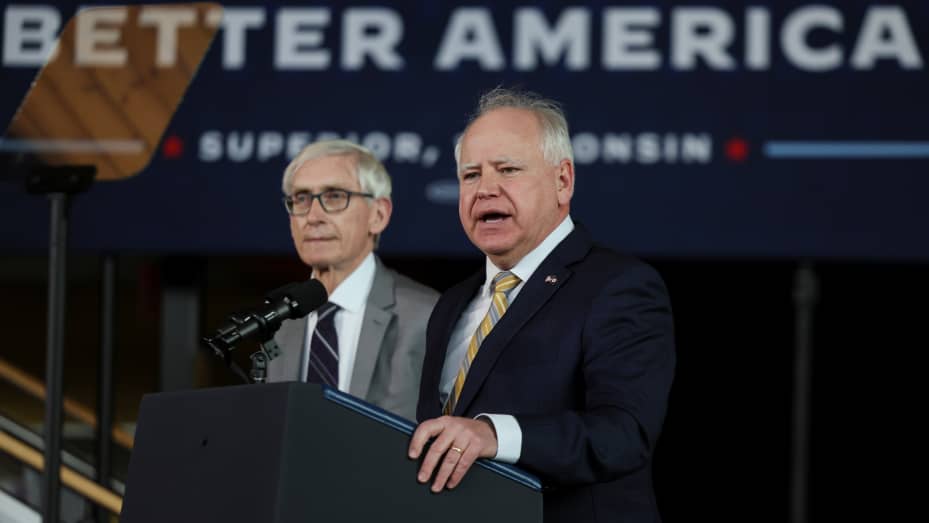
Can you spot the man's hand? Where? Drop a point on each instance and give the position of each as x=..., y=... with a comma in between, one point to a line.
x=458, y=443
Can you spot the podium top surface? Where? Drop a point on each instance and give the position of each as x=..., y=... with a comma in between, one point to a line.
x=407, y=427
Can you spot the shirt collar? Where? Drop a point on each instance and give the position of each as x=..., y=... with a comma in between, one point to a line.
x=530, y=262
x=352, y=293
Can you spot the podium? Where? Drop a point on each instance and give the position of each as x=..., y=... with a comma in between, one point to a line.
x=289, y=452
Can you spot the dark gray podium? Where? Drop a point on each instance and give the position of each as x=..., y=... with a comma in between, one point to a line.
x=289, y=452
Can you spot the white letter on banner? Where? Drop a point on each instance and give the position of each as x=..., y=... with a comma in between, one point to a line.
x=793, y=38
x=40, y=37
x=586, y=148
x=407, y=147
x=533, y=37
x=297, y=33
x=647, y=148
x=270, y=145
x=697, y=148
x=88, y=35
x=470, y=36
x=211, y=146
x=627, y=38
x=757, y=38
x=617, y=148
x=166, y=21
x=296, y=141
x=239, y=146
x=872, y=45
x=374, y=32
x=378, y=143
x=236, y=21
x=701, y=31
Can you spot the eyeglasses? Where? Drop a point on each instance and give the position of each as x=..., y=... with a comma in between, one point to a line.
x=331, y=200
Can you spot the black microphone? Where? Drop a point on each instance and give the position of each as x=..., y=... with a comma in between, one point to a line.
x=294, y=300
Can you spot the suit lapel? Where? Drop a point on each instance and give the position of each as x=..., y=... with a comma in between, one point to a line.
x=291, y=362
x=544, y=283
x=461, y=296
x=446, y=315
x=377, y=317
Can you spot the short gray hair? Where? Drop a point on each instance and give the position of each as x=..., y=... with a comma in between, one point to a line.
x=370, y=172
x=556, y=140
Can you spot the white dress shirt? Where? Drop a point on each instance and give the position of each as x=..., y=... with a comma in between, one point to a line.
x=352, y=297
x=509, y=435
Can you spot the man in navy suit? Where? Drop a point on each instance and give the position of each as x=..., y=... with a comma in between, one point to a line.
x=567, y=372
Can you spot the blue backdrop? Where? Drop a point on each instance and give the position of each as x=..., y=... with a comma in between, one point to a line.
x=782, y=129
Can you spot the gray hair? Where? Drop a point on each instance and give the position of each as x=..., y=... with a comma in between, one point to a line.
x=556, y=140
x=369, y=171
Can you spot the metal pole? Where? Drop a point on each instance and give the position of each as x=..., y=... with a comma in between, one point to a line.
x=105, y=377
x=57, y=286
x=806, y=295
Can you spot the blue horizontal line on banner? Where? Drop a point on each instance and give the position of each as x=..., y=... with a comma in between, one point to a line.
x=846, y=149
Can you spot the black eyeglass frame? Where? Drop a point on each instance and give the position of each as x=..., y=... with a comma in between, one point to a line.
x=289, y=200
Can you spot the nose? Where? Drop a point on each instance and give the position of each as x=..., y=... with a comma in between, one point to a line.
x=316, y=214
x=488, y=185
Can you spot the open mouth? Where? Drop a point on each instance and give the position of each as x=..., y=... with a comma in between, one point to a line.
x=493, y=217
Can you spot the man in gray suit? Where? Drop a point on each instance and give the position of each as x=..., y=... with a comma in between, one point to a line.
x=369, y=340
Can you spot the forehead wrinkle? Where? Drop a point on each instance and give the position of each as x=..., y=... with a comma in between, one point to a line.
x=505, y=159
x=306, y=188
x=326, y=172
x=494, y=162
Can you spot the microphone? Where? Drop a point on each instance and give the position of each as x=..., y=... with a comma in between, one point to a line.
x=294, y=300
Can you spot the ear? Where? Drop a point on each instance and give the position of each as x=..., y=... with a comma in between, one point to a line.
x=380, y=215
x=564, y=182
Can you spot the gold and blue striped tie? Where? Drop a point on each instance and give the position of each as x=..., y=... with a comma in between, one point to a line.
x=503, y=284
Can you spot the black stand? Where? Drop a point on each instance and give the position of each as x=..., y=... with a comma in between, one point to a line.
x=105, y=377
x=806, y=295
x=59, y=183
x=267, y=351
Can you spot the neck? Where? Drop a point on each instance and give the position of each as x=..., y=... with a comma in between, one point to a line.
x=331, y=276
x=503, y=263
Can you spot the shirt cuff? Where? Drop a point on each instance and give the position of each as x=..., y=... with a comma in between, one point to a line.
x=509, y=436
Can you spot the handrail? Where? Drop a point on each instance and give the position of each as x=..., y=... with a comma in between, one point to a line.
x=70, y=478
x=36, y=388
x=35, y=440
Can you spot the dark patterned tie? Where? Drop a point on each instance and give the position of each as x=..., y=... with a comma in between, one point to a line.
x=323, y=366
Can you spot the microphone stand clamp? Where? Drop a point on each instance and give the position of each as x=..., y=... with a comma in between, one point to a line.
x=267, y=351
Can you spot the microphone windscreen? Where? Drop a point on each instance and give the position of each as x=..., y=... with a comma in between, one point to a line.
x=279, y=293
x=308, y=295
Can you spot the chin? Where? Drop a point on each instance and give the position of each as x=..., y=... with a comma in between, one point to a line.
x=491, y=248
x=317, y=261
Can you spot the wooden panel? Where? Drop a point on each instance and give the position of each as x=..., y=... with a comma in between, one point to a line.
x=111, y=116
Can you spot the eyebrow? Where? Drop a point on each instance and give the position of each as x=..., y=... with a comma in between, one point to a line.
x=495, y=162
x=467, y=166
x=325, y=188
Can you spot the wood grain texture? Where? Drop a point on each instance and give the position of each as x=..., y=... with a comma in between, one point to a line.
x=80, y=111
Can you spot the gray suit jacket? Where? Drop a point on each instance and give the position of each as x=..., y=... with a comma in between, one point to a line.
x=391, y=346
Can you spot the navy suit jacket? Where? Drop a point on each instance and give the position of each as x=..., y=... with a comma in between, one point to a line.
x=584, y=359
